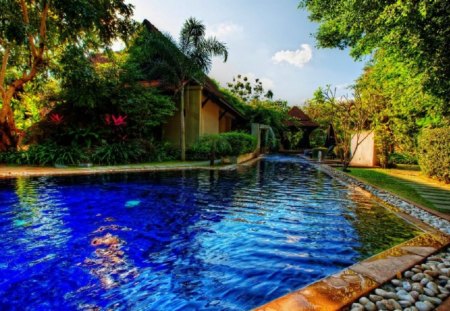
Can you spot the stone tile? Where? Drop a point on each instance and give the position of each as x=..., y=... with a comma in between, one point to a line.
x=445, y=306
x=331, y=293
x=387, y=264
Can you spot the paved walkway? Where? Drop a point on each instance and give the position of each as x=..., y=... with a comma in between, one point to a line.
x=15, y=171
x=433, y=191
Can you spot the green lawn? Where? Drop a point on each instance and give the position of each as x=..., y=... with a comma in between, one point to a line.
x=392, y=184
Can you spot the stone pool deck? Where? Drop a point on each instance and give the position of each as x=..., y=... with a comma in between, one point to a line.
x=7, y=171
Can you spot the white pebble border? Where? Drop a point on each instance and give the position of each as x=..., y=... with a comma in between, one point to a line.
x=421, y=288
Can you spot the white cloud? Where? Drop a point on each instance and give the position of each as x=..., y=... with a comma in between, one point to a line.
x=224, y=30
x=297, y=58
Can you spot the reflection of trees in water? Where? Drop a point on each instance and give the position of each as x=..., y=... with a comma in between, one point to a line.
x=110, y=264
x=39, y=212
x=377, y=228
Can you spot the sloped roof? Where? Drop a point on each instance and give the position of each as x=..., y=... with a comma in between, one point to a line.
x=209, y=87
x=300, y=118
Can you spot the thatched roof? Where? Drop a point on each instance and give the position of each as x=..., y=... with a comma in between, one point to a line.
x=300, y=119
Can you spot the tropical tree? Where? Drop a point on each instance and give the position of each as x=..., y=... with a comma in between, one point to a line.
x=176, y=64
x=248, y=91
x=351, y=117
x=416, y=32
x=30, y=31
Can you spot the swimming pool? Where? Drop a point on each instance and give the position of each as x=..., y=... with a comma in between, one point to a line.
x=188, y=240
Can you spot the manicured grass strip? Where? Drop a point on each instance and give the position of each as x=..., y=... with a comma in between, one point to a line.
x=392, y=184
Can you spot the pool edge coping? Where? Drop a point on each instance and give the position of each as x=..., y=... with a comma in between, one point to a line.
x=79, y=171
x=339, y=290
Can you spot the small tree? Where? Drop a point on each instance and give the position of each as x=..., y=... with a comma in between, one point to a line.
x=350, y=116
x=247, y=90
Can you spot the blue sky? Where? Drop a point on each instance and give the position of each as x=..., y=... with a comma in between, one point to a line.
x=267, y=39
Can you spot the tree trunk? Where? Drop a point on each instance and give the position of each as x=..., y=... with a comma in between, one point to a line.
x=8, y=133
x=182, y=127
x=212, y=157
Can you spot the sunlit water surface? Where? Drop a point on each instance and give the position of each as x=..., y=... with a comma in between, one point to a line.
x=194, y=240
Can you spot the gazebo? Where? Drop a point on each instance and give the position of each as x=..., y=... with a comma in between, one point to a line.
x=298, y=120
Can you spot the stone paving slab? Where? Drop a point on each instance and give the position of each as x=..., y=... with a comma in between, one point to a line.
x=435, y=193
x=339, y=290
x=445, y=306
x=332, y=293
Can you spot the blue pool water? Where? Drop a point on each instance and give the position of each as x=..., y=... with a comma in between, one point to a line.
x=190, y=240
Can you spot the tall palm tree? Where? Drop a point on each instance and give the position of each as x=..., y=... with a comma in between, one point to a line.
x=178, y=63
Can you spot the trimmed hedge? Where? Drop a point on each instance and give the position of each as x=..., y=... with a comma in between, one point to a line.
x=225, y=144
x=240, y=143
x=434, y=153
x=402, y=158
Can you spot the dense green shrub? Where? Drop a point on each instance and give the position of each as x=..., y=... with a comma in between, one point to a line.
x=434, y=153
x=12, y=157
x=50, y=153
x=158, y=151
x=209, y=147
x=119, y=153
x=240, y=143
x=46, y=154
x=317, y=138
x=402, y=158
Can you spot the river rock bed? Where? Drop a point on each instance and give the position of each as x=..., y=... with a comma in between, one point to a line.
x=422, y=288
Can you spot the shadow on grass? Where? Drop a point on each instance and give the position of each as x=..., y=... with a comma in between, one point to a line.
x=398, y=186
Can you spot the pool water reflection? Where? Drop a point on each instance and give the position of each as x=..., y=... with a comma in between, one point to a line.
x=189, y=240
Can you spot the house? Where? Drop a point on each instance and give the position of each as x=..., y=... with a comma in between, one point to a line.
x=298, y=120
x=206, y=111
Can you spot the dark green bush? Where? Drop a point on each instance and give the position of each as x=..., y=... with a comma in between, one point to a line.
x=240, y=143
x=317, y=138
x=209, y=147
x=51, y=153
x=46, y=154
x=119, y=153
x=402, y=158
x=13, y=157
x=160, y=151
x=434, y=153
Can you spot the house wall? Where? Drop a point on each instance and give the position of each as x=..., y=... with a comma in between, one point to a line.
x=192, y=103
x=365, y=154
x=193, y=114
x=210, y=118
x=171, y=129
x=225, y=124
x=199, y=120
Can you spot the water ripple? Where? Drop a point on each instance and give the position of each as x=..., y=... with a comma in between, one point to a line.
x=182, y=240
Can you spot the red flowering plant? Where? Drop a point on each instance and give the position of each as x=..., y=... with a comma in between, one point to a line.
x=117, y=124
x=118, y=120
x=56, y=118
